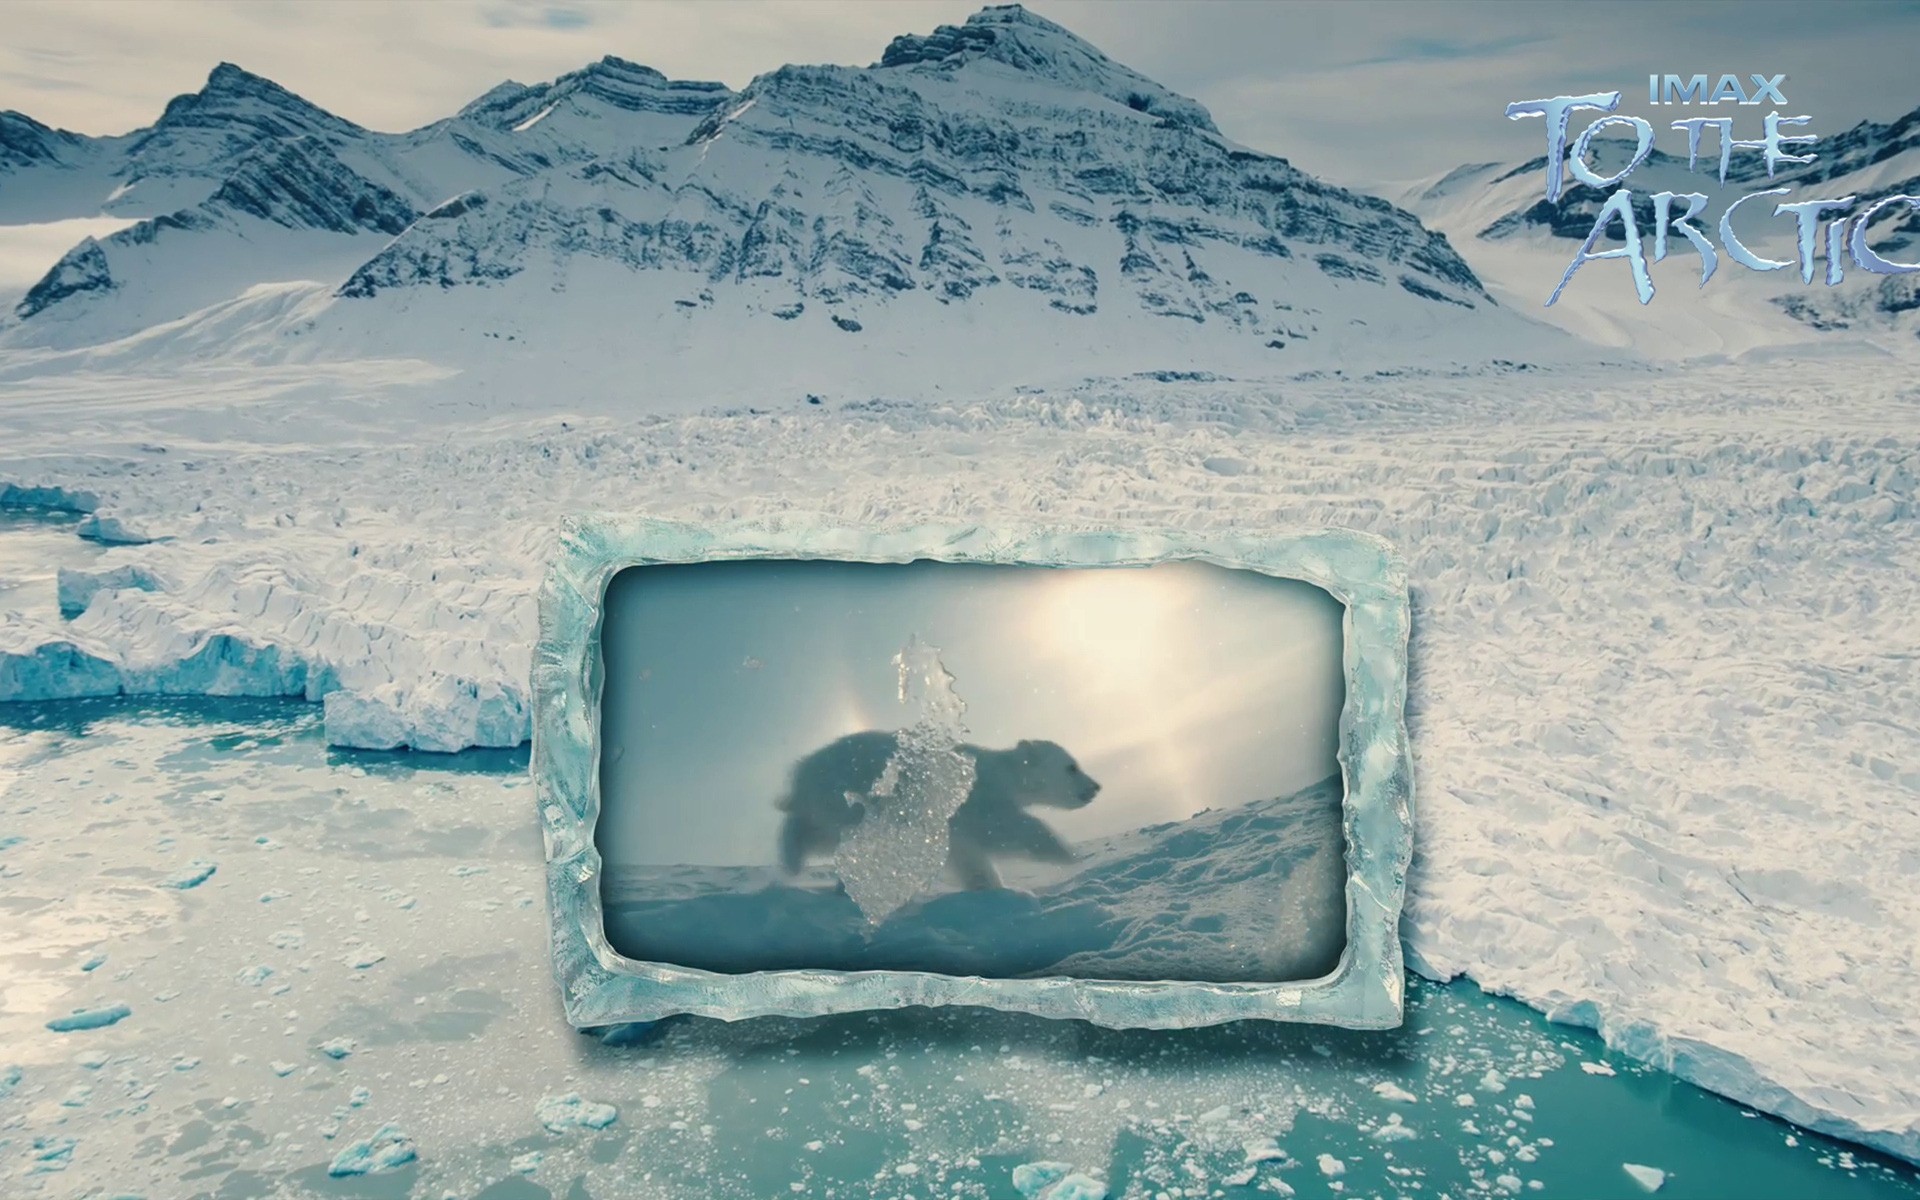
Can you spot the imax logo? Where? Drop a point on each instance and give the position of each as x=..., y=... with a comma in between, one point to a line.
x=1694, y=90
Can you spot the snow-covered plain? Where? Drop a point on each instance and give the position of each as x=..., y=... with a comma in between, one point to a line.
x=1664, y=693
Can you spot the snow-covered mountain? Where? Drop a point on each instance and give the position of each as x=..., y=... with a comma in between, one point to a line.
x=995, y=197
x=1521, y=243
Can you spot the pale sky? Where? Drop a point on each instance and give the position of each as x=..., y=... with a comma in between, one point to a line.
x=1362, y=93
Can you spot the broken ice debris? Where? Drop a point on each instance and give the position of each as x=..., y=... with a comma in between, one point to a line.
x=338, y=1047
x=1649, y=1178
x=50, y=1154
x=1393, y=1093
x=561, y=1113
x=364, y=957
x=93, y=960
x=1596, y=1068
x=528, y=1163
x=387, y=1150
x=1030, y=1178
x=1331, y=1166
x=256, y=975
x=90, y=1018
x=196, y=873
x=10, y=1078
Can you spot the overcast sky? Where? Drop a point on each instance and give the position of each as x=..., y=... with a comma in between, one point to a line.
x=1359, y=92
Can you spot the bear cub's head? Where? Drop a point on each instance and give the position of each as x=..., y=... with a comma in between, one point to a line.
x=1042, y=773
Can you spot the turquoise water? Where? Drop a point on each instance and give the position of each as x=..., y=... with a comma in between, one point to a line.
x=426, y=870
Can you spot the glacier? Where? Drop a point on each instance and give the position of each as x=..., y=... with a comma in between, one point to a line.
x=1658, y=628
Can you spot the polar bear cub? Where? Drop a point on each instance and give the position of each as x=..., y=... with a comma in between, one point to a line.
x=991, y=822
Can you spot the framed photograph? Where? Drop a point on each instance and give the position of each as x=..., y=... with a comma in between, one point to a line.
x=1153, y=780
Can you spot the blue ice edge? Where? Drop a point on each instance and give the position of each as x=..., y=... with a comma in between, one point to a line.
x=602, y=987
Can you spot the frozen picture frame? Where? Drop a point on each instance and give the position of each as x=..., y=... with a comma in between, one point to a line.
x=602, y=987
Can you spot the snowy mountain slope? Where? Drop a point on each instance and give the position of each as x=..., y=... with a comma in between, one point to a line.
x=243, y=154
x=1001, y=163
x=1521, y=243
x=998, y=184
x=286, y=211
x=1227, y=895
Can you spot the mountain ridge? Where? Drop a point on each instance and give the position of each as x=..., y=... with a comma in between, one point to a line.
x=1003, y=166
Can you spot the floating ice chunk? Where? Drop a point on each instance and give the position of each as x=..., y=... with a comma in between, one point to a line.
x=196, y=873
x=92, y=1060
x=387, y=1150
x=1493, y=1081
x=90, y=1018
x=561, y=1113
x=1332, y=1167
x=526, y=1164
x=358, y=1097
x=1464, y=1100
x=1650, y=1179
x=1263, y=1150
x=1597, y=1068
x=93, y=960
x=282, y=1069
x=1030, y=1179
x=336, y=1048
x=1393, y=1093
x=1394, y=1130
x=898, y=849
x=365, y=956
x=10, y=1077
x=1076, y=1187
x=1240, y=1178
x=256, y=974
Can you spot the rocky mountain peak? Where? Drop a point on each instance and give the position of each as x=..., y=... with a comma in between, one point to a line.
x=1013, y=37
x=231, y=90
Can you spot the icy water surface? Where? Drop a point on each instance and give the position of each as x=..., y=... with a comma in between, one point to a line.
x=314, y=974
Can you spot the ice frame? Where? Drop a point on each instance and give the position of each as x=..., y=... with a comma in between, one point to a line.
x=602, y=987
